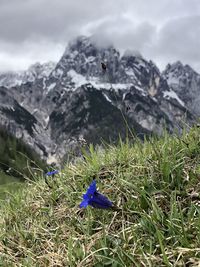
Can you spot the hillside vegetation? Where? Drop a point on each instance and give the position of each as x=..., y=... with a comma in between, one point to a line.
x=17, y=161
x=155, y=184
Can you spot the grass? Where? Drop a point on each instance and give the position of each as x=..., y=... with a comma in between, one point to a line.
x=155, y=184
x=8, y=185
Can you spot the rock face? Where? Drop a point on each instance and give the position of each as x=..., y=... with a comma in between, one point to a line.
x=81, y=97
x=35, y=71
x=186, y=83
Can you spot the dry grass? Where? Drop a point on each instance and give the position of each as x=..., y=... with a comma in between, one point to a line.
x=156, y=185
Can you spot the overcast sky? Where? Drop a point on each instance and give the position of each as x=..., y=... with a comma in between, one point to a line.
x=39, y=30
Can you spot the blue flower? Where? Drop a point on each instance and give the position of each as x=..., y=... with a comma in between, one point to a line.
x=95, y=199
x=52, y=173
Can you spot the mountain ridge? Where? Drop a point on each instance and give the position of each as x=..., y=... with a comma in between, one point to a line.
x=61, y=106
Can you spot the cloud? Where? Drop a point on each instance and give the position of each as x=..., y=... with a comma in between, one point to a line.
x=27, y=19
x=179, y=39
x=21, y=56
x=124, y=33
x=163, y=31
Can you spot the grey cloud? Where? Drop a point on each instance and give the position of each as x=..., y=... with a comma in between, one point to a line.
x=24, y=19
x=163, y=31
x=46, y=19
x=179, y=40
x=181, y=37
x=124, y=34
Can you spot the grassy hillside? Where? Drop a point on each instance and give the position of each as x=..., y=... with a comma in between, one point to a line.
x=15, y=156
x=17, y=161
x=155, y=184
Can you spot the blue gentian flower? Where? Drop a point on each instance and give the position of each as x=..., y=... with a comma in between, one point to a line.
x=95, y=199
x=52, y=173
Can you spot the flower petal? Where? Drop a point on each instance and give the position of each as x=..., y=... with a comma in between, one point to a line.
x=84, y=204
x=92, y=188
x=86, y=197
x=100, y=201
x=52, y=172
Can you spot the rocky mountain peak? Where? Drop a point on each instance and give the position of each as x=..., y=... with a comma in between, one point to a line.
x=183, y=80
x=34, y=72
x=83, y=44
x=177, y=71
x=85, y=57
x=79, y=97
x=39, y=70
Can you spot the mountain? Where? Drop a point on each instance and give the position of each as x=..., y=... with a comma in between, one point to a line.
x=183, y=80
x=35, y=71
x=77, y=98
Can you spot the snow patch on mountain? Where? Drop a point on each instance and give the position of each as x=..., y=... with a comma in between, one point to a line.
x=79, y=80
x=50, y=87
x=35, y=71
x=172, y=94
x=107, y=98
x=171, y=79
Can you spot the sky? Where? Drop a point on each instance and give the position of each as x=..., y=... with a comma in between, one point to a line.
x=39, y=30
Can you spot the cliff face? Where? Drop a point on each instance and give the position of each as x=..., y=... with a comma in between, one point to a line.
x=183, y=80
x=78, y=97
